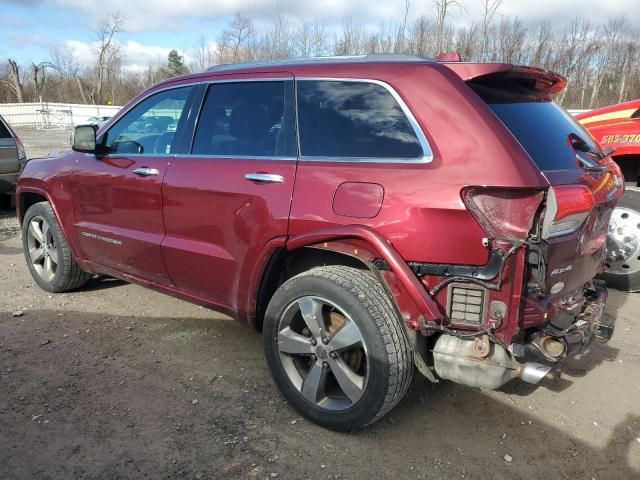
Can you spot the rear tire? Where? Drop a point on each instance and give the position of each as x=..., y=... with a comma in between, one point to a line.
x=349, y=369
x=623, y=244
x=47, y=253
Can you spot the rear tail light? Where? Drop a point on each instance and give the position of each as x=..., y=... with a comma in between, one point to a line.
x=503, y=213
x=22, y=155
x=568, y=206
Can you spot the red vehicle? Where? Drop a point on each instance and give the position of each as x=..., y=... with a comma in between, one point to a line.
x=618, y=127
x=369, y=215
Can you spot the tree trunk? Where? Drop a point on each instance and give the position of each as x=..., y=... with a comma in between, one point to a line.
x=83, y=95
x=14, y=79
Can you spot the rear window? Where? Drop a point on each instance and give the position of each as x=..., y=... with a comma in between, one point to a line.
x=545, y=131
x=4, y=131
x=349, y=119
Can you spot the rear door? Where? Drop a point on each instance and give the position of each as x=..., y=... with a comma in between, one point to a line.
x=117, y=196
x=8, y=150
x=229, y=192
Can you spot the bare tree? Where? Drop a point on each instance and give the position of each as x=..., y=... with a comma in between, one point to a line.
x=204, y=55
x=106, y=49
x=489, y=9
x=601, y=62
x=351, y=39
x=232, y=44
x=443, y=8
x=14, y=81
x=401, y=39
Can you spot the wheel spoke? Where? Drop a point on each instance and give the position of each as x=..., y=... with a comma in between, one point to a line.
x=314, y=383
x=351, y=384
x=348, y=336
x=34, y=230
x=311, y=310
x=294, y=343
x=53, y=254
x=48, y=266
x=36, y=254
x=45, y=231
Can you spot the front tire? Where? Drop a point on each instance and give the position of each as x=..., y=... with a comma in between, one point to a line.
x=47, y=253
x=336, y=347
x=623, y=244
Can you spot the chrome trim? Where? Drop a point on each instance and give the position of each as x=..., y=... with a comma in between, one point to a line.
x=237, y=157
x=427, y=156
x=264, y=177
x=215, y=79
x=145, y=171
x=427, y=153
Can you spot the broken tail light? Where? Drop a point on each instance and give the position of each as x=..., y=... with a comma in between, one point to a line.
x=568, y=207
x=503, y=212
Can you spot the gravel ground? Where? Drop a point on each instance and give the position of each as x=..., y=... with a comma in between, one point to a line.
x=115, y=381
x=39, y=143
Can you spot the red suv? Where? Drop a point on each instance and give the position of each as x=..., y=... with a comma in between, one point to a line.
x=370, y=215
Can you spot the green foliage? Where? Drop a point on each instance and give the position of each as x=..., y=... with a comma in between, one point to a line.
x=174, y=64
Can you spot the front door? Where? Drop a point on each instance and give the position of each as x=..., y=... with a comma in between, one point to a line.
x=230, y=193
x=117, y=196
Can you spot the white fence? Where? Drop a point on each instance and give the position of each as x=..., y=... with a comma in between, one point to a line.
x=52, y=115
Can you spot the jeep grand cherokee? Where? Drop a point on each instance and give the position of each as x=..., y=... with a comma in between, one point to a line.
x=370, y=215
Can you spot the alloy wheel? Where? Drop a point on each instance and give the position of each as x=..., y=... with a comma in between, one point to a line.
x=323, y=353
x=43, y=251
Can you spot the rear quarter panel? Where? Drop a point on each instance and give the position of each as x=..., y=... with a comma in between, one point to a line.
x=422, y=213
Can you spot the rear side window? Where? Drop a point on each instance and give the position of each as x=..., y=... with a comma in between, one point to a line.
x=4, y=131
x=247, y=119
x=546, y=131
x=349, y=119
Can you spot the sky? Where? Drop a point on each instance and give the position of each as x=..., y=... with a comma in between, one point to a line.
x=29, y=28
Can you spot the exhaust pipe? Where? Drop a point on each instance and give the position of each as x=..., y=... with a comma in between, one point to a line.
x=551, y=348
x=532, y=372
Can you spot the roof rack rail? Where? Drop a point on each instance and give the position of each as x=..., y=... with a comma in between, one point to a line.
x=368, y=58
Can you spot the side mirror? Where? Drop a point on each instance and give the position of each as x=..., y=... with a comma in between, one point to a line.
x=84, y=139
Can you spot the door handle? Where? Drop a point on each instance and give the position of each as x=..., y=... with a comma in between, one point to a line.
x=264, y=177
x=145, y=171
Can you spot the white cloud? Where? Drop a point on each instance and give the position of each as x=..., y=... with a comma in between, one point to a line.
x=135, y=56
x=158, y=15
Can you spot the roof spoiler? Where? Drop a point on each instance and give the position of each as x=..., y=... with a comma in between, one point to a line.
x=538, y=80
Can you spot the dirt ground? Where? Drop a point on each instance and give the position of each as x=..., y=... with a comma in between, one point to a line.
x=115, y=381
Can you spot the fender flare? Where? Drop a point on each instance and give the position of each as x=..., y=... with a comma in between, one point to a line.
x=385, y=249
x=43, y=193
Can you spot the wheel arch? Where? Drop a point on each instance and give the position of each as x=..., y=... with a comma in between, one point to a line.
x=28, y=196
x=353, y=245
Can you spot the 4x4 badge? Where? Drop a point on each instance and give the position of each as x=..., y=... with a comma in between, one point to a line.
x=558, y=271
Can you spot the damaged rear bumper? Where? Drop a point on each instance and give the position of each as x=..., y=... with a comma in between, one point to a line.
x=554, y=344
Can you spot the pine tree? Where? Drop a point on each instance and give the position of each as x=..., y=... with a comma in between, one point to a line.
x=174, y=64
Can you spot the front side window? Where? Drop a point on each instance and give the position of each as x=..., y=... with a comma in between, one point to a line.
x=247, y=119
x=345, y=119
x=149, y=127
